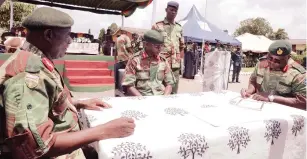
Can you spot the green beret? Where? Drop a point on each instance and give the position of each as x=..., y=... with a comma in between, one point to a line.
x=280, y=48
x=173, y=4
x=153, y=36
x=46, y=17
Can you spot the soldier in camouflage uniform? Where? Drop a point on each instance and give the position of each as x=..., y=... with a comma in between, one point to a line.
x=40, y=116
x=124, y=52
x=278, y=78
x=174, y=46
x=136, y=43
x=147, y=73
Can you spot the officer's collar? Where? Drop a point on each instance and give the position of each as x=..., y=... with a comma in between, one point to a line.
x=168, y=22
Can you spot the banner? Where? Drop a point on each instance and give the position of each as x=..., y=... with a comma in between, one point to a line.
x=83, y=48
x=216, y=71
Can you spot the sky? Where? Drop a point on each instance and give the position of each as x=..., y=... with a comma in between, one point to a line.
x=225, y=14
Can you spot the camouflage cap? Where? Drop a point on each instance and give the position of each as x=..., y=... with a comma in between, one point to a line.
x=173, y=4
x=45, y=17
x=280, y=48
x=153, y=36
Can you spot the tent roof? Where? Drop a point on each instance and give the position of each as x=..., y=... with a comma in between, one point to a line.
x=196, y=27
x=116, y=7
x=254, y=43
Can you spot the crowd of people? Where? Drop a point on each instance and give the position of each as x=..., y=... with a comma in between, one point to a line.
x=41, y=115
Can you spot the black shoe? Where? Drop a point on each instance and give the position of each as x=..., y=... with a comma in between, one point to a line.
x=238, y=82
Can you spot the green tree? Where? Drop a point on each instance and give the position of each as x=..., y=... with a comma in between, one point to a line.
x=256, y=26
x=21, y=10
x=113, y=28
x=280, y=34
x=101, y=34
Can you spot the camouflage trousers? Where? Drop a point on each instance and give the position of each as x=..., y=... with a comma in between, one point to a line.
x=176, y=72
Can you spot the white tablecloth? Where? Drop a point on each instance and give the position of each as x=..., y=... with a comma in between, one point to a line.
x=202, y=125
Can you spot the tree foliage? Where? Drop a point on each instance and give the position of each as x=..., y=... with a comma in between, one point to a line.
x=113, y=27
x=260, y=26
x=21, y=10
x=280, y=34
x=101, y=34
x=256, y=26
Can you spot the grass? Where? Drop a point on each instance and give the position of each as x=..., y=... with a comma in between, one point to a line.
x=248, y=69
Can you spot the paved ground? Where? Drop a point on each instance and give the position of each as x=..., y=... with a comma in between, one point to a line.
x=185, y=86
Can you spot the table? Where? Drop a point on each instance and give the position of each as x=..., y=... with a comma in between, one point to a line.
x=201, y=125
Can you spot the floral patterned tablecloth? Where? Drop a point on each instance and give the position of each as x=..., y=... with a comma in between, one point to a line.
x=204, y=125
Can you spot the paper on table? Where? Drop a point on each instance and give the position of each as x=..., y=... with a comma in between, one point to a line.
x=226, y=115
x=247, y=103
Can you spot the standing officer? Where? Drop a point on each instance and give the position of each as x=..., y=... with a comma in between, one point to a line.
x=174, y=46
x=40, y=117
x=147, y=73
x=278, y=78
x=237, y=65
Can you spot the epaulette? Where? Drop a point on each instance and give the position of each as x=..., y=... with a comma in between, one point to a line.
x=298, y=67
x=162, y=21
x=34, y=64
x=178, y=23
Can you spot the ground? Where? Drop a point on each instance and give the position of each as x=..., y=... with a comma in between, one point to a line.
x=185, y=86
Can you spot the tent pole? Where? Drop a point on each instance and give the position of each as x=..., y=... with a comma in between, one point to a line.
x=11, y=14
x=203, y=42
x=123, y=21
x=154, y=10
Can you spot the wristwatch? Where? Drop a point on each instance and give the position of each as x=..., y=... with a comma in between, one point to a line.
x=271, y=98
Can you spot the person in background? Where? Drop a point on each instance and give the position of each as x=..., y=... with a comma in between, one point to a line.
x=304, y=62
x=174, y=46
x=236, y=57
x=40, y=115
x=124, y=52
x=108, y=43
x=189, y=59
x=278, y=78
x=136, y=43
x=147, y=72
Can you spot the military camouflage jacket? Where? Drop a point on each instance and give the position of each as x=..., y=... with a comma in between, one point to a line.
x=37, y=104
x=289, y=83
x=173, y=41
x=148, y=74
x=137, y=45
x=123, y=42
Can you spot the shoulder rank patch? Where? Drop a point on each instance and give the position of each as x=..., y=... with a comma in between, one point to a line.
x=48, y=64
x=31, y=80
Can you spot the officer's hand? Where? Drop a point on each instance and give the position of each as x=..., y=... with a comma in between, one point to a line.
x=118, y=128
x=92, y=104
x=261, y=97
x=244, y=93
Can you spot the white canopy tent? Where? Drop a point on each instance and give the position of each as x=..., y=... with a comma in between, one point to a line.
x=254, y=43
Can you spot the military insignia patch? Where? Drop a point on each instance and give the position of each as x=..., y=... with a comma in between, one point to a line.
x=279, y=51
x=31, y=80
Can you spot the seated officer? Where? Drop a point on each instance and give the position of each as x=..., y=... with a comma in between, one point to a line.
x=278, y=78
x=147, y=73
x=40, y=116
